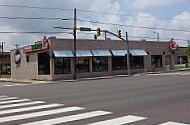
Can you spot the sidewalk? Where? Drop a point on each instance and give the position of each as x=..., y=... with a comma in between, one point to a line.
x=85, y=79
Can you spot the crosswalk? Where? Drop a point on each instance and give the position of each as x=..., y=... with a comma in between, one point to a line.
x=171, y=74
x=2, y=85
x=14, y=109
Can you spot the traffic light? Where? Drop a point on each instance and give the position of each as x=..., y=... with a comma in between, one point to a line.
x=74, y=31
x=98, y=32
x=119, y=33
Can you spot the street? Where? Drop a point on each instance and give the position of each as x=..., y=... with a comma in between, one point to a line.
x=150, y=99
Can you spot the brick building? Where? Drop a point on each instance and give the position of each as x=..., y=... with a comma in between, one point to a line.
x=94, y=58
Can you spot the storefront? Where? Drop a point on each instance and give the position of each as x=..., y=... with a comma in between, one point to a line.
x=53, y=59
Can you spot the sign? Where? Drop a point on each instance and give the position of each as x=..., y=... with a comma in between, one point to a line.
x=85, y=29
x=17, y=57
x=173, y=45
x=40, y=45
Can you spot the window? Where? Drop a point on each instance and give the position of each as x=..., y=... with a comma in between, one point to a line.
x=27, y=58
x=43, y=64
x=119, y=62
x=99, y=64
x=137, y=62
x=156, y=61
x=62, y=65
x=82, y=64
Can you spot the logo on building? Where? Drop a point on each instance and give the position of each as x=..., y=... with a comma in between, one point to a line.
x=17, y=57
x=40, y=45
x=173, y=45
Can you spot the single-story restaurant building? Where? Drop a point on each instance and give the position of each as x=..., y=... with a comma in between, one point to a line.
x=53, y=58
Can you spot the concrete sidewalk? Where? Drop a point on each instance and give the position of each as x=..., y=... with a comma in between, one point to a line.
x=86, y=79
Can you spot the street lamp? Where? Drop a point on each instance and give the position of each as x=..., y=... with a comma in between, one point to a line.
x=157, y=33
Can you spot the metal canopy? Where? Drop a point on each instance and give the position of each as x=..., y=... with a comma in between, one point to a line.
x=63, y=53
x=83, y=53
x=119, y=52
x=101, y=53
x=138, y=52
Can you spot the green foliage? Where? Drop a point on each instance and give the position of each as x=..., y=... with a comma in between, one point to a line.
x=187, y=52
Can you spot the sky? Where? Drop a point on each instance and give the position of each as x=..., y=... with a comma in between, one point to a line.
x=139, y=18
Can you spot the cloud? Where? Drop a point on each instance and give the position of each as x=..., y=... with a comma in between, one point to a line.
x=151, y=3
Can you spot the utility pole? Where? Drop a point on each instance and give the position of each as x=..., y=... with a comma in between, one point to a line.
x=188, y=42
x=128, y=59
x=75, y=44
x=105, y=35
x=2, y=43
x=16, y=45
x=157, y=34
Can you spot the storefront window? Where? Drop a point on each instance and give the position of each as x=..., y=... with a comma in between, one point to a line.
x=62, y=65
x=82, y=64
x=137, y=62
x=119, y=62
x=99, y=64
x=43, y=64
x=156, y=61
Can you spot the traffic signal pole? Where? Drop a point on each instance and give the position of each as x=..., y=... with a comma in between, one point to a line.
x=127, y=47
x=75, y=59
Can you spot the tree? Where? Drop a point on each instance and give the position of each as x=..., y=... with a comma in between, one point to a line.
x=187, y=52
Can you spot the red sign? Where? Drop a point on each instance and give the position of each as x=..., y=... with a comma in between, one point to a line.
x=173, y=45
x=27, y=49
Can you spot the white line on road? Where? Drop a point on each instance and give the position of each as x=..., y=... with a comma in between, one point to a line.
x=21, y=104
x=13, y=101
x=37, y=114
x=9, y=85
x=29, y=108
x=120, y=120
x=173, y=123
x=3, y=96
x=69, y=118
x=8, y=98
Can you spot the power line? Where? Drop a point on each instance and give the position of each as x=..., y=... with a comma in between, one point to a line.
x=133, y=26
x=36, y=18
x=33, y=32
x=34, y=7
x=119, y=14
x=89, y=11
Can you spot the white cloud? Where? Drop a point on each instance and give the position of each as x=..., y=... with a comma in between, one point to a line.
x=151, y=3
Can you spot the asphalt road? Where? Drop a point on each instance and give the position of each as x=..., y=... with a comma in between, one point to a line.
x=142, y=100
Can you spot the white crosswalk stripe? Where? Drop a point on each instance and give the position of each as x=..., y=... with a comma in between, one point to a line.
x=69, y=118
x=40, y=113
x=29, y=108
x=171, y=74
x=13, y=101
x=40, y=109
x=120, y=120
x=21, y=104
x=173, y=123
x=8, y=98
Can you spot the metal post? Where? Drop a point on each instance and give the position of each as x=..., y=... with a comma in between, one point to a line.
x=105, y=35
x=128, y=59
x=74, y=45
x=2, y=57
x=188, y=42
x=158, y=36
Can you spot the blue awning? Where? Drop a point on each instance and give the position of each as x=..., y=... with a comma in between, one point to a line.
x=63, y=53
x=101, y=53
x=83, y=53
x=138, y=52
x=119, y=52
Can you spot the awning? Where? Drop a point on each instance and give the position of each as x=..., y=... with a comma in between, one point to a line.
x=138, y=52
x=63, y=53
x=101, y=53
x=119, y=52
x=83, y=53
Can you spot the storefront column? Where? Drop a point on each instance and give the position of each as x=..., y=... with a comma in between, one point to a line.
x=90, y=64
x=109, y=63
x=172, y=62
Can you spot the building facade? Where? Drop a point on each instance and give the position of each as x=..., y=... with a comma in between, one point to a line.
x=5, y=66
x=54, y=58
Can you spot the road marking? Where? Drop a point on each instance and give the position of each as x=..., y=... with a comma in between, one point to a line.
x=69, y=118
x=173, y=123
x=29, y=108
x=8, y=98
x=21, y=104
x=9, y=85
x=13, y=101
x=3, y=96
x=36, y=114
x=120, y=120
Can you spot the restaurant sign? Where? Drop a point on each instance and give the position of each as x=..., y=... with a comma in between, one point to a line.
x=42, y=45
